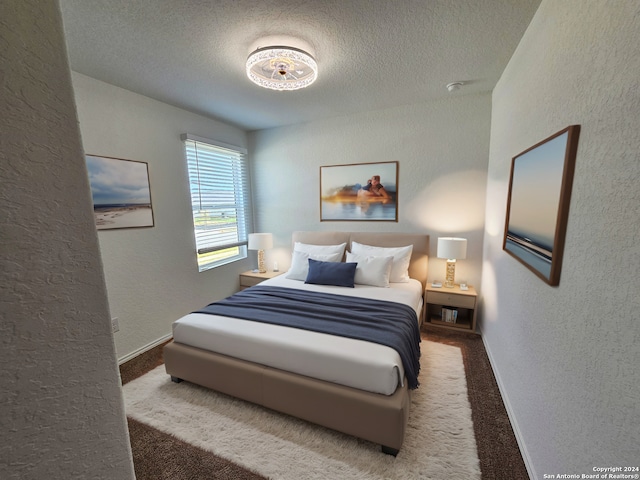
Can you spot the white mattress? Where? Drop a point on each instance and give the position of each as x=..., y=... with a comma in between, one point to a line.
x=354, y=363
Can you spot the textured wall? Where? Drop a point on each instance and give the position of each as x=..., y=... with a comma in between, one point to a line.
x=567, y=357
x=151, y=273
x=442, y=150
x=61, y=411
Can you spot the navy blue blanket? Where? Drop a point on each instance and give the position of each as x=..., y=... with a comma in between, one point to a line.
x=387, y=323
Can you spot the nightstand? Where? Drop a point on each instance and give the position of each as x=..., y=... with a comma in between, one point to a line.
x=462, y=302
x=251, y=278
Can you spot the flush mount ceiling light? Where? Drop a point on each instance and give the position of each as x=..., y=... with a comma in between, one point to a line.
x=453, y=86
x=281, y=68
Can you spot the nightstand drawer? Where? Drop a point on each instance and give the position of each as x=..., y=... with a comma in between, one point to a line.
x=452, y=300
x=247, y=281
x=251, y=278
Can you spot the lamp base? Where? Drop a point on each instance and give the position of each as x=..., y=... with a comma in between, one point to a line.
x=449, y=280
x=261, y=266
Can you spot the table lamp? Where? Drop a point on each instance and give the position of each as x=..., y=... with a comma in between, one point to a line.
x=452, y=249
x=260, y=242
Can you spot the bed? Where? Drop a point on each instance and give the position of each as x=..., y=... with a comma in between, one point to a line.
x=288, y=376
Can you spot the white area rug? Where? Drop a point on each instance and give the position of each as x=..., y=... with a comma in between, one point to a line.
x=439, y=442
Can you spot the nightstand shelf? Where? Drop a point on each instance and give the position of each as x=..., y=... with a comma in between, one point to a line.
x=464, y=302
x=251, y=278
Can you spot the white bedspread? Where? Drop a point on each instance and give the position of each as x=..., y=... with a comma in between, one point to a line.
x=354, y=363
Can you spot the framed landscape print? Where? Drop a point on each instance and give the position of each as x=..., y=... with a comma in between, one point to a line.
x=121, y=193
x=538, y=203
x=357, y=192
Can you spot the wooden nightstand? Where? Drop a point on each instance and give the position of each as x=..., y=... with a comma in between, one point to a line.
x=251, y=278
x=464, y=302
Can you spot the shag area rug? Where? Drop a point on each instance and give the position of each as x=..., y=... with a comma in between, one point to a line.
x=439, y=442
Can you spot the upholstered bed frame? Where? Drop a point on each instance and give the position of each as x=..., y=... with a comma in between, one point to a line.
x=378, y=418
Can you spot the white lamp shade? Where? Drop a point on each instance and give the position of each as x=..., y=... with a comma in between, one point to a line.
x=452, y=248
x=260, y=241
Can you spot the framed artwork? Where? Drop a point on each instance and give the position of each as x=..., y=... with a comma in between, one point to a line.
x=538, y=203
x=357, y=192
x=121, y=193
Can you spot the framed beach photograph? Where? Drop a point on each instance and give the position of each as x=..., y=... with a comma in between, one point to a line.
x=357, y=192
x=121, y=192
x=538, y=203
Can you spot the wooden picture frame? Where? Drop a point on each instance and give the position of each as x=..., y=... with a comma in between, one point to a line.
x=351, y=193
x=538, y=203
x=121, y=192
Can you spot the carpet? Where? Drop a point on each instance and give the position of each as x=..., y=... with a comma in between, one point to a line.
x=439, y=443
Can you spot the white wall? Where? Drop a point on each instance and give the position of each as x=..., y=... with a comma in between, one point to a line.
x=442, y=149
x=567, y=357
x=151, y=273
x=61, y=410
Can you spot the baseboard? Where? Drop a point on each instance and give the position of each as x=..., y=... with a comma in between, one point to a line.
x=514, y=423
x=141, y=350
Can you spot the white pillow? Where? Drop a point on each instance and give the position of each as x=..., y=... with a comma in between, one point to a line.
x=300, y=263
x=401, y=258
x=320, y=249
x=371, y=270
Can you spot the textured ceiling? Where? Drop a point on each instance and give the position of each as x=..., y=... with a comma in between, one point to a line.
x=371, y=54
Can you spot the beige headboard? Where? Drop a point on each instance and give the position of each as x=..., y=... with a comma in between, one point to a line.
x=419, y=256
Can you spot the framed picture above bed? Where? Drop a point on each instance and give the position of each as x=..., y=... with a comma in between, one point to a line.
x=538, y=203
x=359, y=192
x=121, y=192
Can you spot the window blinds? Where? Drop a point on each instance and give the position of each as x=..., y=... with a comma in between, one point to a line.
x=218, y=181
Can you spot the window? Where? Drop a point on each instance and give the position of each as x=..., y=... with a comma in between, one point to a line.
x=218, y=180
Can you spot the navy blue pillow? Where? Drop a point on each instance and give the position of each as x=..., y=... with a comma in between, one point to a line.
x=331, y=273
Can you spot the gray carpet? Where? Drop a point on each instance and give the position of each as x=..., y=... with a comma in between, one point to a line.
x=158, y=455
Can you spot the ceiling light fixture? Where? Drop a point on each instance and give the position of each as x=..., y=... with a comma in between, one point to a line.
x=454, y=86
x=281, y=68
